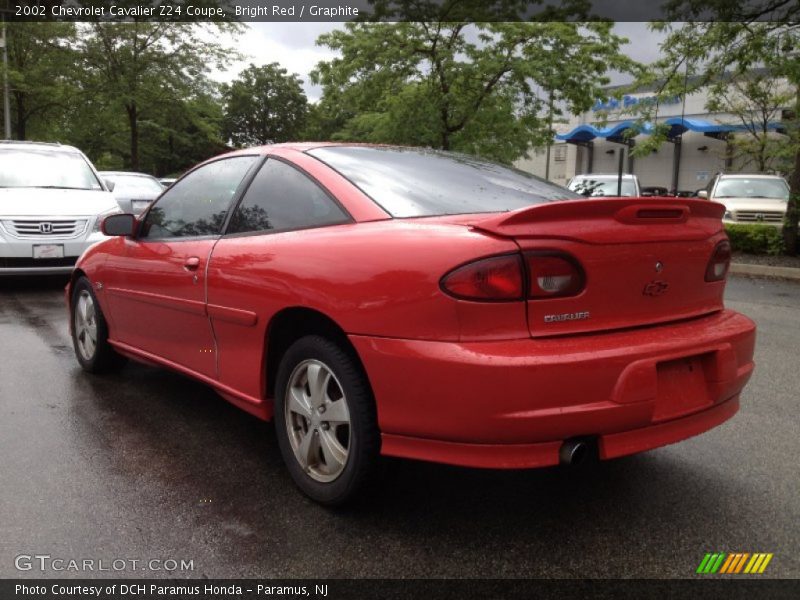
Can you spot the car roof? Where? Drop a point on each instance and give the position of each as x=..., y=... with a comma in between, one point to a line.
x=306, y=146
x=749, y=176
x=26, y=145
x=614, y=175
x=126, y=173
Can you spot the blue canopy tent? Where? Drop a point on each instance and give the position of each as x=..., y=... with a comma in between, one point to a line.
x=584, y=135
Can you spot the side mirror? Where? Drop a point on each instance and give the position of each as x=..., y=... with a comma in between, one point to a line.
x=109, y=184
x=124, y=225
x=702, y=194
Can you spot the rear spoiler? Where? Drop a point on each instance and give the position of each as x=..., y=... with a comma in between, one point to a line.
x=609, y=220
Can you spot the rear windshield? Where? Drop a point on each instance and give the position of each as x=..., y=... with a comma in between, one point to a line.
x=33, y=168
x=412, y=182
x=602, y=186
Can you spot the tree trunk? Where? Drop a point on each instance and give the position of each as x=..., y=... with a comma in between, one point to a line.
x=19, y=117
x=790, y=223
x=445, y=138
x=133, y=123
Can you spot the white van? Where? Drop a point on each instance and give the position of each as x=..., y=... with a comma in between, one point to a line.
x=51, y=204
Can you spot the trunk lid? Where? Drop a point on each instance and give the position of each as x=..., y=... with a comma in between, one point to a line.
x=644, y=261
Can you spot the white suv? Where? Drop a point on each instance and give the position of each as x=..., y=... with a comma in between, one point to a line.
x=750, y=198
x=51, y=205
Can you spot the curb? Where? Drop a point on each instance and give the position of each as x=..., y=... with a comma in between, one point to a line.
x=747, y=270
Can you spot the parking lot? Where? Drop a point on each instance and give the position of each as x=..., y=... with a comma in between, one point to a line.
x=146, y=464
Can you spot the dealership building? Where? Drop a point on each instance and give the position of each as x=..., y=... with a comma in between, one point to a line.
x=698, y=144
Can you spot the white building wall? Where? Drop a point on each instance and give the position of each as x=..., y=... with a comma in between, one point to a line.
x=701, y=156
x=562, y=162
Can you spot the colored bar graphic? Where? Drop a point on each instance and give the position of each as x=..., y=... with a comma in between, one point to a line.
x=734, y=562
x=765, y=563
x=751, y=564
x=742, y=560
x=718, y=564
x=730, y=561
x=703, y=563
x=711, y=562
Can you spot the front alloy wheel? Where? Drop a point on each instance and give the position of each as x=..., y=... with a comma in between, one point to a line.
x=85, y=326
x=90, y=331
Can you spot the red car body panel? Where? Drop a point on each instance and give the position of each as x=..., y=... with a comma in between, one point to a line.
x=156, y=304
x=486, y=384
x=518, y=392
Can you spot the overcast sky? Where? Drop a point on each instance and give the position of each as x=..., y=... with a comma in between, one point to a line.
x=293, y=46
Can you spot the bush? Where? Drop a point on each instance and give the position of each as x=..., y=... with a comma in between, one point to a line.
x=755, y=239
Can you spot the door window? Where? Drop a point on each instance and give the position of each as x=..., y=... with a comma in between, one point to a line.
x=197, y=204
x=281, y=198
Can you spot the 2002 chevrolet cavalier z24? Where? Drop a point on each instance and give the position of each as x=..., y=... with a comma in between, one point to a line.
x=413, y=303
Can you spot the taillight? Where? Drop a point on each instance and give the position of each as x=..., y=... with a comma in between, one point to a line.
x=489, y=279
x=720, y=261
x=553, y=275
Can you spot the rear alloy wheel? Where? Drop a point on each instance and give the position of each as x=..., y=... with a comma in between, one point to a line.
x=90, y=332
x=325, y=420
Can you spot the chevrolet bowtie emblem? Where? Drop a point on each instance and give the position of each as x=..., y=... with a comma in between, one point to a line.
x=655, y=288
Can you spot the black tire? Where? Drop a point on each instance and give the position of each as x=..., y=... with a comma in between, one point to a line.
x=363, y=434
x=103, y=359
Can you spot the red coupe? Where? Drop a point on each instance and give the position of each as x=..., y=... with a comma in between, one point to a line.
x=421, y=304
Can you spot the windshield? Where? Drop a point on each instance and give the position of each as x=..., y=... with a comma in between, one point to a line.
x=29, y=168
x=740, y=187
x=413, y=182
x=601, y=186
x=134, y=186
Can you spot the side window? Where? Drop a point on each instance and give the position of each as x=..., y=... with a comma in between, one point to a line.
x=280, y=198
x=197, y=204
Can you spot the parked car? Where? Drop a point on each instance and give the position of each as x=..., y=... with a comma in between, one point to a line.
x=134, y=191
x=421, y=304
x=51, y=203
x=654, y=190
x=750, y=198
x=605, y=184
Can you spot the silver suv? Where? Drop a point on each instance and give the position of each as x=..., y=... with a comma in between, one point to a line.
x=752, y=198
x=51, y=205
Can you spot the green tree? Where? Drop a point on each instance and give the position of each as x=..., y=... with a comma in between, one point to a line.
x=264, y=105
x=480, y=88
x=139, y=69
x=756, y=100
x=733, y=38
x=41, y=76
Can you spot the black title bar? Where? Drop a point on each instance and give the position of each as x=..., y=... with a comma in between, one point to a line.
x=399, y=10
x=366, y=589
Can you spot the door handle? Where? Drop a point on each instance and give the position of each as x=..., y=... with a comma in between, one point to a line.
x=191, y=263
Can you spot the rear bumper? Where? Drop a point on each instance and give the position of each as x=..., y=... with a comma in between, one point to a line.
x=545, y=454
x=511, y=404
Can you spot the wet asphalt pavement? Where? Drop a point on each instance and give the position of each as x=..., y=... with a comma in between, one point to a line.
x=146, y=464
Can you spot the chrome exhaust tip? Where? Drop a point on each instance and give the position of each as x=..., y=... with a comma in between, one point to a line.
x=573, y=452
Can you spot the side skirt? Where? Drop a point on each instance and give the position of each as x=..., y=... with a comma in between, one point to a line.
x=255, y=406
